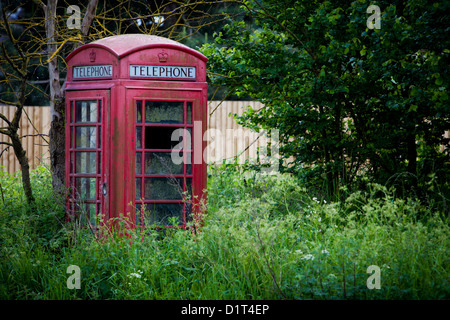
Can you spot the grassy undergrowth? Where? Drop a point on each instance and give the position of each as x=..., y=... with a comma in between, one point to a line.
x=264, y=237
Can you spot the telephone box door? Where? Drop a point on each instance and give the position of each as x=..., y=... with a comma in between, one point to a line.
x=87, y=154
x=168, y=175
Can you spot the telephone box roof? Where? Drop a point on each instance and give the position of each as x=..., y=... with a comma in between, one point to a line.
x=123, y=45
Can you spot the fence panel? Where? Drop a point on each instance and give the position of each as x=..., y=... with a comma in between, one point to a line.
x=33, y=142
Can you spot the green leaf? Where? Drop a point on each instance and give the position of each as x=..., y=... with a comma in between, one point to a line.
x=413, y=107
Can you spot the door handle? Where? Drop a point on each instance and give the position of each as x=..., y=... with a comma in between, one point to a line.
x=104, y=189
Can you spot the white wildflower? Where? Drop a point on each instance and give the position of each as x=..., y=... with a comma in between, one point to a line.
x=308, y=257
x=325, y=251
x=135, y=275
x=298, y=251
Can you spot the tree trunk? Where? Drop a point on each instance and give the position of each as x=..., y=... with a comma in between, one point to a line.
x=57, y=149
x=24, y=166
x=57, y=102
x=56, y=134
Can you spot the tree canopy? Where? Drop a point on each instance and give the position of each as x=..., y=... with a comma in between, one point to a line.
x=349, y=101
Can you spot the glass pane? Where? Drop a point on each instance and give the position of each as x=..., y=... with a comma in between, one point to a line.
x=188, y=162
x=138, y=188
x=189, y=188
x=164, y=112
x=100, y=110
x=90, y=212
x=99, y=171
x=163, y=188
x=85, y=162
x=138, y=111
x=100, y=137
x=189, y=112
x=86, y=111
x=189, y=136
x=138, y=162
x=87, y=213
x=86, y=137
x=164, y=214
x=162, y=163
x=85, y=188
x=138, y=137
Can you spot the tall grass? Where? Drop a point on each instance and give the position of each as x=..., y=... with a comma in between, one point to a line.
x=264, y=237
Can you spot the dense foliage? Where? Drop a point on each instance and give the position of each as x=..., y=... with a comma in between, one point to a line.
x=264, y=237
x=350, y=102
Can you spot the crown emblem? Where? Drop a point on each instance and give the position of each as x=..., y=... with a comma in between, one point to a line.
x=163, y=56
x=92, y=56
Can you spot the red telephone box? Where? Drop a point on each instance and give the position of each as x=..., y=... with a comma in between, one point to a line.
x=135, y=119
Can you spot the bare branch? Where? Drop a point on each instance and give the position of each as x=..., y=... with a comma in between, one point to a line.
x=34, y=135
x=2, y=116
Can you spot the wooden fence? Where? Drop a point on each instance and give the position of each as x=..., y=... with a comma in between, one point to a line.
x=35, y=146
x=226, y=139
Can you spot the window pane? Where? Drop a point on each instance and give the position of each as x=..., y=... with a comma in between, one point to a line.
x=99, y=137
x=189, y=112
x=85, y=188
x=163, y=188
x=164, y=112
x=85, y=162
x=138, y=137
x=189, y=136
x=138, y=162
x=100, y=110
x=189, y=188
x=160, y=214
x=188, y=162
x=162, y=163
x=138, y=188
x=87, y=213
x=86, y=111
x=86, y=137
x=99, y=171
x=138, y=111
